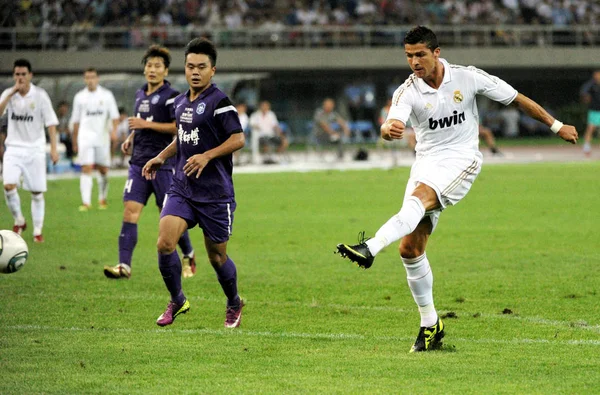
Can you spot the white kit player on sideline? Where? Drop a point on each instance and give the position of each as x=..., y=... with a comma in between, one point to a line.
x=95, y=119
x=439, y=100
x=29, y=109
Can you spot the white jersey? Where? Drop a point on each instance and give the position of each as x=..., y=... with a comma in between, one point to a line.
x=27, y=117
x=94, y=111
x=446, y=118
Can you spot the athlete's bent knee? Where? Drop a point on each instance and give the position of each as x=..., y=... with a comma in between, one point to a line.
x=165, y=246
x=131, y=214
x=410, y=250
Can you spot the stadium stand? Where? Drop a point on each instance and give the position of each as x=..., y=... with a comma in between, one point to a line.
x=80, y=24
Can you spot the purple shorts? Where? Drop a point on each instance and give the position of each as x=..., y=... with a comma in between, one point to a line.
x=215, y=219
x=138, y=189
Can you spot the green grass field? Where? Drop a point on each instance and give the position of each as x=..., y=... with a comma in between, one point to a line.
x=516, y=267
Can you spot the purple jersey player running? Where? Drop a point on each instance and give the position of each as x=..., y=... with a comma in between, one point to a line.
x=153, y=129
x=208, y=132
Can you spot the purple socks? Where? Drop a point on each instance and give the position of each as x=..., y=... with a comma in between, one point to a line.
x=127, y=241
x=170, y=268
x=227, y=276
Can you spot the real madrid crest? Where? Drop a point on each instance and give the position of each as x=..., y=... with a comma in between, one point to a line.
x=155, y=99
x=32, y=105
x=200, y=108
x=458, y=97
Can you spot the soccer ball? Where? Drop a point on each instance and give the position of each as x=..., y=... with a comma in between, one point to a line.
x=13, y=251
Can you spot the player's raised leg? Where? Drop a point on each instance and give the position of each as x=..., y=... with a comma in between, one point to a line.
x=170, y=230
x=405, y=222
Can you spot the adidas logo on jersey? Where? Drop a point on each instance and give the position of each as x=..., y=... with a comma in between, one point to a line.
x=446, y=122
x=25, y=118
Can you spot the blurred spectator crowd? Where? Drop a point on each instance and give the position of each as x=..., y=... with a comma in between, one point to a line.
x=236, y=14
x=65, y=24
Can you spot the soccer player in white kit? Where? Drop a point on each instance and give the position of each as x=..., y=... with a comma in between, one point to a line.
x=29, y=110
x=95, y=119
x=439, y=100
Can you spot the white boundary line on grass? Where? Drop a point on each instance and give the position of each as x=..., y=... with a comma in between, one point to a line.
x=300, y=335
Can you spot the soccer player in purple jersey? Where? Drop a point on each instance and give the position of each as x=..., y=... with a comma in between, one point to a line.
x=153, y=129
x=208, y=132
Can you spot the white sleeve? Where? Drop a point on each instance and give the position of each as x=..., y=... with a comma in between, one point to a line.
x=493, y=87
x=5, y=93
x=113, y=109
x=401, y=104
x=275, y=120
x=48, y=113
x=76, y=113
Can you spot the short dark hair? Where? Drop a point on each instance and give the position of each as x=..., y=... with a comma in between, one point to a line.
x=121, y=110
x=63, y=103
x=91, y=70
x=202, y=46
x=22, y=63
x=423, y=35
x=157, y=51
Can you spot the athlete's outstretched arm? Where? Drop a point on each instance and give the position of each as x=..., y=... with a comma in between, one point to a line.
x=535, y=111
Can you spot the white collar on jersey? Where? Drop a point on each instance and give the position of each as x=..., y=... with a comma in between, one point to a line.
x=31, y=90
x=447, y=78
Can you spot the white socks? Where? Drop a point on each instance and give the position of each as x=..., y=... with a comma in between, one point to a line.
x=13, y=201
x=38, y=209
x=400, y=225
x=85, y=186
x=420, y=281
x=102, y=186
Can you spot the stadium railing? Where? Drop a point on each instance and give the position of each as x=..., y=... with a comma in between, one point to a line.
x=79, y=38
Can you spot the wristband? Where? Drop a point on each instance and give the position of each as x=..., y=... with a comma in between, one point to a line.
x=556, y=126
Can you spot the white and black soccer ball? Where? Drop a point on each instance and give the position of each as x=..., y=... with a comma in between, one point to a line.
x=13, y=251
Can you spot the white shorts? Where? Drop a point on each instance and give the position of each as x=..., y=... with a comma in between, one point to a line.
x=451, y=176
x=89, y=155
x=30, y=165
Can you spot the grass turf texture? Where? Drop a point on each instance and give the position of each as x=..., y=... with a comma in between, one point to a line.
x=516, y=268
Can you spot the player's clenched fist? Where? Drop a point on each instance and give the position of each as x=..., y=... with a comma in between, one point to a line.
x=392, y=129
x=568, y=133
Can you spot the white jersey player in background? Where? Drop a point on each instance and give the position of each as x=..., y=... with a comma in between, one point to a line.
x=29, y=110
x=439, y=100
x=95, y=119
